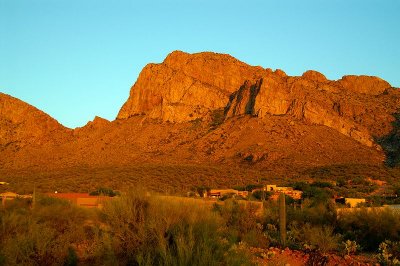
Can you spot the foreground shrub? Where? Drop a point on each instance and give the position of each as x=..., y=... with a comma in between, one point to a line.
x=389, y=253
x=40, y=236
x=313, y=213
x=315, y=237
x=154, y=231
x=133, y=229
x=370, y=227
x=350, y=247
x=241, y=222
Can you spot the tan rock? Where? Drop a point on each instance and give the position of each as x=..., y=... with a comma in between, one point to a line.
x=187, y=87
x=364, y=84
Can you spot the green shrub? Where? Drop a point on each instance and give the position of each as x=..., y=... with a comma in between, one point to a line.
x=316, y=214
x=72, y=258
x=322, y=238
x=370, y=227
x=152, y=231
x=389, y=253
x=104, y=192
x=322, y=184
x=350, y=247
x=259, y=194
x=242, y=222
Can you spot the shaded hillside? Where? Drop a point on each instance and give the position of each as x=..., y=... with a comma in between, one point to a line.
x=391, y=143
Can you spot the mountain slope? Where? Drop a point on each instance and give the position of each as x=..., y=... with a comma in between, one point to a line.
x=22, y=124
x=212, y=109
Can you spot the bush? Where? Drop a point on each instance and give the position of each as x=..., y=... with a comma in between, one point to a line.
x=322, y=184
x=316, y=214
x=350, y=247
x=133, y=229
x=317, y=195
x=104, y=192
x=370, y=227
x=259, y=194
x=321, y=238
x=152, y=231
x=241, y=222
x=389, y=253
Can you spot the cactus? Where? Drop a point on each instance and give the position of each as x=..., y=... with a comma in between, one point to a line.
x=282, y=218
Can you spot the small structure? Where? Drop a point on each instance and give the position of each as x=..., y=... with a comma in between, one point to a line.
x=2, y=183
x=218, y=193
x=295, y=194
x=6, y=196
x=81, y=199
x=351, y=202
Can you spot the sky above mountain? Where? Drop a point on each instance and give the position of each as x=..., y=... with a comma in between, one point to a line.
x=76, y=59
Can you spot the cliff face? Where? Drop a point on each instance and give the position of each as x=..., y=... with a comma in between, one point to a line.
x=186, y=87
x=316, y=100
x=22, y=124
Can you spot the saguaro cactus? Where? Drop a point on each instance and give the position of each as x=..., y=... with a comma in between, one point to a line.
x=282, y=218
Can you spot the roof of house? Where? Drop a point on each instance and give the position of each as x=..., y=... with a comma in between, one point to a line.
x=8, y=194
x=71, y=195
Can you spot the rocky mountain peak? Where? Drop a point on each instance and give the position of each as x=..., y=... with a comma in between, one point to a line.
x=187, y=86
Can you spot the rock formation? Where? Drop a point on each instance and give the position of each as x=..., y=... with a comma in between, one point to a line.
x=186, y=87
x=219, y=111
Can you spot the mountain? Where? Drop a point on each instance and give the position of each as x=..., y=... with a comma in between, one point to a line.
x=187, y=87
x=22, y=124
x=208, y=110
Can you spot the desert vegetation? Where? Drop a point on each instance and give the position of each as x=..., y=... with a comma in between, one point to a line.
x=351, y=180
x=138, y=229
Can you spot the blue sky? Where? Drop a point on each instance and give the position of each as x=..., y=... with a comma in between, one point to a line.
x=78, y=58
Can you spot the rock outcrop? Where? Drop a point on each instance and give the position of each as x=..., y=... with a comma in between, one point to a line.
x=364, y=84
x=314, y=99
x=186, y=87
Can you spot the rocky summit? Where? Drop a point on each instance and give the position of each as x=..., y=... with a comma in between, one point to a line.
x=209, y=108
x=186, y=87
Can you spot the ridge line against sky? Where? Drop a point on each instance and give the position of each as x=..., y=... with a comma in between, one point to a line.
x=78, y=59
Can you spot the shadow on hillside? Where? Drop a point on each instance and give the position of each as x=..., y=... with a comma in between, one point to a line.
x=390, y=143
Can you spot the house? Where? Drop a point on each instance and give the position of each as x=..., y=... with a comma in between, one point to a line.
x=275, y=190
x=218, y=193
x=11, y=196
x=243, y=194
x=354, y=202
x=270, y=188
x=81, y=199
x=351, y=202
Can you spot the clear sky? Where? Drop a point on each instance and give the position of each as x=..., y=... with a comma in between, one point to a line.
x=75, y=59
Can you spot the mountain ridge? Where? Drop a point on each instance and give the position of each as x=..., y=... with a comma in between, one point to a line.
x=209, y=108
